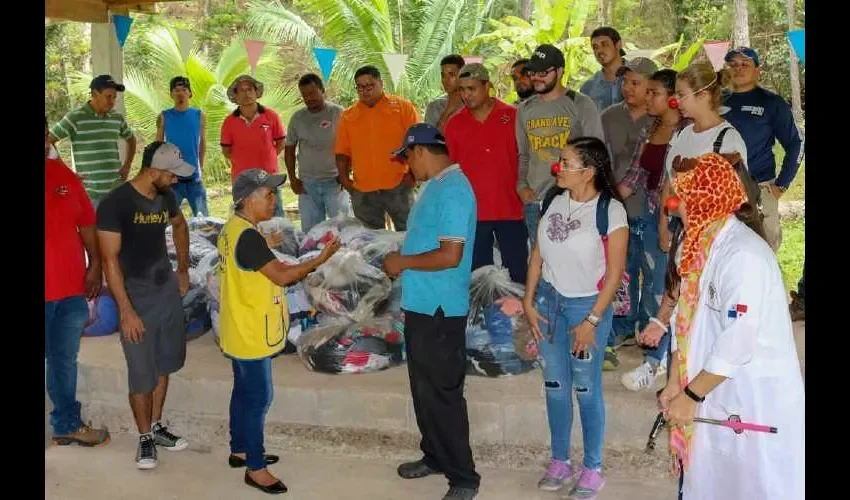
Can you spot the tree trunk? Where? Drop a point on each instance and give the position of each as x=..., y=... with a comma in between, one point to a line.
x=796, y=104
x=609, y=12
x=525, y=7
x=742, y=24
x=602, y=11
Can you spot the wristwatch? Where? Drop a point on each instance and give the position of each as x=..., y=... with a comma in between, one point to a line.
x=592, y=319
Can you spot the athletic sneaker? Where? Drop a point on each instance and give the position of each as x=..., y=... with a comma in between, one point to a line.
x=146, y=452
x=557, y=475
x=168, y=440
x=642, y=377
x=610, y=362
x=590, y=483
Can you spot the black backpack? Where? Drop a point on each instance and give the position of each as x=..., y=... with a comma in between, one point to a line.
x=601, y=208
x=750, y=185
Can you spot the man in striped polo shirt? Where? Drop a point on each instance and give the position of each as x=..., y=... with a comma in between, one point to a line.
x=94, y=129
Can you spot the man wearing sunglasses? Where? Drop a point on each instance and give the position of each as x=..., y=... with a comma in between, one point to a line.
x=367, y=133
x=544, y=123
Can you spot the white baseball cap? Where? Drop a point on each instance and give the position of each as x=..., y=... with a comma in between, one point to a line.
x=166, y=156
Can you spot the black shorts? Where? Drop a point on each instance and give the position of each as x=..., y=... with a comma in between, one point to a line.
x=162, y=350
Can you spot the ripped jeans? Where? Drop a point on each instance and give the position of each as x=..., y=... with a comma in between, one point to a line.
x=562, y=372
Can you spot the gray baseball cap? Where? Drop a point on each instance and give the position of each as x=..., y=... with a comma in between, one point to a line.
x=640, y=65
x=476, y=71
x=166, y=156
x=253, y=179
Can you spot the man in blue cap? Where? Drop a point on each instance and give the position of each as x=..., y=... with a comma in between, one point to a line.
x=762, y=117
x=435, y=265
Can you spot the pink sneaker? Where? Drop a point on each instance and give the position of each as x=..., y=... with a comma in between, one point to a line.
x=590, y=483
x=557, y=475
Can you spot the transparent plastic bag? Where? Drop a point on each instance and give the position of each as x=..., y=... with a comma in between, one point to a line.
x=383, y=242
x=346, y=285
x=198, y=248
x=344, y=347
x=325, y=231
x=206, y=227
x=489, y=284
x=292, y=236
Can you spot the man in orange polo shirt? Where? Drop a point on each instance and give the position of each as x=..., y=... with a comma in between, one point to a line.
x=367, y=134
x=253, y=135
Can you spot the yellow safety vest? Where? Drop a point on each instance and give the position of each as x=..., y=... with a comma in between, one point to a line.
x=254, y=315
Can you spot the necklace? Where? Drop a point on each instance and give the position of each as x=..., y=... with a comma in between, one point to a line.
x=570, y=208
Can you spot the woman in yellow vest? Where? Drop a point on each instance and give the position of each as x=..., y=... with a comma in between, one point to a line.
x=254, y=318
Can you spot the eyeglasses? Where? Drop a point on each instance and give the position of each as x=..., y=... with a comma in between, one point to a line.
x=365, y=88
x=566, y=168
x=540, y=74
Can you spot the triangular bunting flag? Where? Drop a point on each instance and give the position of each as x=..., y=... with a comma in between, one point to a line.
x=395, y=64
x=122, y=27
x=716, y=52
x=255, y=50
x=186, y=39
x=798, y=43
x=325, y=58
x=473, y=59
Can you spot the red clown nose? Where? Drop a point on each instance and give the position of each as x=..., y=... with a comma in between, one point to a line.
x=672, y=203
x=673, y=103
x=555, y=169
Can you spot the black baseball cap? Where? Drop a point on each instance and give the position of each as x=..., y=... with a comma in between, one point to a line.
x=420, y=134
x=544, y=57
x=179, y=81
x=104, y=82
x=253, y=179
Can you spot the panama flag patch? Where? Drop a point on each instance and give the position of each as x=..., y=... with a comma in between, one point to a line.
x=737, y=310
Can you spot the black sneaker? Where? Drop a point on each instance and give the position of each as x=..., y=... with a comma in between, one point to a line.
x=146, y=452
x=168, y=440
x=415, y=470
x=457, y=493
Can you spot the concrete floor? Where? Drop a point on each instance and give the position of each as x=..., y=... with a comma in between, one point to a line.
x=108, y=473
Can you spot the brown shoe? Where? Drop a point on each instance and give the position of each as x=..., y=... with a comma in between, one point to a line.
x=84, y=436
x=797, y=307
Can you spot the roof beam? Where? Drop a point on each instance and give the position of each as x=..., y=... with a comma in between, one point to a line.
x=88, y=11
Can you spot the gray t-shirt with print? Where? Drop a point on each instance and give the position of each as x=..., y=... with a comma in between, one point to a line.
x=314, y=135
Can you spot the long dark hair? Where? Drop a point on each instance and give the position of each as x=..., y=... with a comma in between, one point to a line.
x=594, y=153
x=748, y=213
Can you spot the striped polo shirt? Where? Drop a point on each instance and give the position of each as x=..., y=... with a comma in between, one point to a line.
x=94, y=141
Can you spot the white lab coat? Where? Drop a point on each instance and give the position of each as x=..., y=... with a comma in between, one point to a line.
x=755, y=350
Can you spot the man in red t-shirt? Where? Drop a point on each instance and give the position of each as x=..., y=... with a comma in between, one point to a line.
x=253, y=135
x=481, y=138
x=69, y=233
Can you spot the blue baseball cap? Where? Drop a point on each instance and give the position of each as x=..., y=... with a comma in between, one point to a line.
x=420, y=134
x=746, y=52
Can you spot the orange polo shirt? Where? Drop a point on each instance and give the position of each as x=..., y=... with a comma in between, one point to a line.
x=369, y=136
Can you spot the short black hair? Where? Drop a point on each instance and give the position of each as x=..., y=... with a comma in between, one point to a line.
x=518, y=62
x=455, y=59
x=436, y=149
x=150, y=149
x=311, y=78
x=368, y=70
x=611, y=33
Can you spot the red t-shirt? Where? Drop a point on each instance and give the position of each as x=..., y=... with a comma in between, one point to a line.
x=252, y=144
x=488, y=155
x=66, y=209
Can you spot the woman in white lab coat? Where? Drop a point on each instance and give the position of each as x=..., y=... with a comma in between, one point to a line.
x=733, y=350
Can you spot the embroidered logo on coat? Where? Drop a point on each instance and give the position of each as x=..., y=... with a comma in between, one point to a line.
x=737, y=310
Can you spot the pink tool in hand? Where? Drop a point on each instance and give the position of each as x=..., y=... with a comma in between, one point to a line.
x=734, y=423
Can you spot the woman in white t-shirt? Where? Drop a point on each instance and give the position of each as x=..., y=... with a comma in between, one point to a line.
x=570, y=311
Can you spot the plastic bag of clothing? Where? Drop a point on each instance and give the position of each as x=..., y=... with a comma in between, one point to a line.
x=343, y=347
x=345, y=227
x=382, y=243
x=103, y=316
x=292, y=237
x=346, y=285
x=206, y=227
x=196, y=311
x=498, y=339
x=199, y=247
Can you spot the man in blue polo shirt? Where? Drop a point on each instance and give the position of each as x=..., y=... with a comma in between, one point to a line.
x=762, y=117
x=435, y=265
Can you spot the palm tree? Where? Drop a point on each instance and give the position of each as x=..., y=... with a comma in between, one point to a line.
x=361, y=30
x=148, y=94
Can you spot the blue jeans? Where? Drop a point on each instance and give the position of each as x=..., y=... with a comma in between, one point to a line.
x=249, y=402
x=562, y=371
x=532, y=220
x=64, y=321
x=645, y=261
x=195, y=194
x=325, y=198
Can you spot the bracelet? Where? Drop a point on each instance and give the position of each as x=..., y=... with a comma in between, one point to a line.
x=689, y=393
x=659, y=323
x=592, y=319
